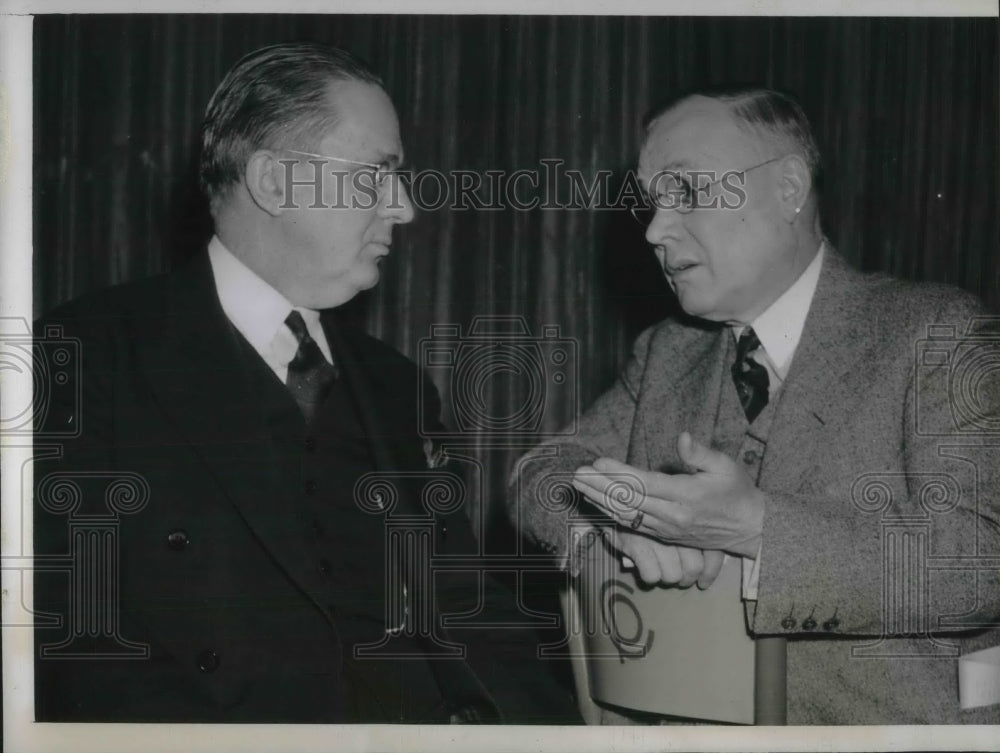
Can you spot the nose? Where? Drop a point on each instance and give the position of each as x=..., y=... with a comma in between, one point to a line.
x=396, y=205
x=663, y=224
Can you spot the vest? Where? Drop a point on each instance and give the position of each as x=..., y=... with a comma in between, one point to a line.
x=732, y=434
x=342, y=548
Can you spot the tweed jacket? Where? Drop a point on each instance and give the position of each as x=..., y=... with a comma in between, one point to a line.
x=874, y=444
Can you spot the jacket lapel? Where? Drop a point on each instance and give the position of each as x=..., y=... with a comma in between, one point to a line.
x=683, y=383
x=824, y=374
x=351, y=365
x=457, y=681
x=200, y=374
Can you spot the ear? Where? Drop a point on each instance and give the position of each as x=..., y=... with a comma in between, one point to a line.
x=265, y=179
x=794, y=185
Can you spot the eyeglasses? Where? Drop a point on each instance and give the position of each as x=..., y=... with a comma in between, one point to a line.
x=380, y=173
x=671, y=190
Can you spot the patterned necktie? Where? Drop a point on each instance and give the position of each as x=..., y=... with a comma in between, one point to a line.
x=750, y=377
x=309, y=373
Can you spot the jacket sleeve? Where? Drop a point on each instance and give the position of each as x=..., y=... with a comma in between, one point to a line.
x=73, y=438
x=540, y=500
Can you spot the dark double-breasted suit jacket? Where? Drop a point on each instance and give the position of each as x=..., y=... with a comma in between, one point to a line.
x=233, y=570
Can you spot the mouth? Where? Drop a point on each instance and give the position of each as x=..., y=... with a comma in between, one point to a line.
x=673, y=270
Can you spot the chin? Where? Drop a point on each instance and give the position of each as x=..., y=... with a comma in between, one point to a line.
x=369, y=279
x=696, y=306
x=359, y=283
x=341, y=289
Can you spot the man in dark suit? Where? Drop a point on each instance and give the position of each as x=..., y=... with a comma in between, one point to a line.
x=216, y=543
x=803, y=418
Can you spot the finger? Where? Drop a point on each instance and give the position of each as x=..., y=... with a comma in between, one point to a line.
x=586, y=474
x=696, y=455
x=589, y=489
x=592, y=484
x=618, y=480
x=610, y=465
x=713, y=564
x=646, y=564
x=669, y=563
x=619, y=543
x=692, y=564
x=618, y=495
x=595, y=493
x=655, y=517
x=623, y=473
x=661, y=486
x=602, y=481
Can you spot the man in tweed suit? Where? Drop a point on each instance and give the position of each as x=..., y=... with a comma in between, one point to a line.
x=790, y=418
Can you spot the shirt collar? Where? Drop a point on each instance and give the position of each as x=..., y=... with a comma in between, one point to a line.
x=255, y=308
x=779, y=327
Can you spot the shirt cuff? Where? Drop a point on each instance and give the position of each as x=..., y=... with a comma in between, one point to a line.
x=751, y=575
x=578, y=546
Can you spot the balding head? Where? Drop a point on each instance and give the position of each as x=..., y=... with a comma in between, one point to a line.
x=738, y=222
x=774, y=119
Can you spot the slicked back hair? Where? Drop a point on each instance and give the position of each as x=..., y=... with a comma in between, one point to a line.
x=275, y=96
x=766, y=114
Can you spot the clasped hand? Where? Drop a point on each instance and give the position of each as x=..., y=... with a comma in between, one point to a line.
x=676, y=526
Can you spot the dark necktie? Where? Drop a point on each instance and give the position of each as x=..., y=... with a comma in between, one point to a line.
x=309, y=373
x=750, y=377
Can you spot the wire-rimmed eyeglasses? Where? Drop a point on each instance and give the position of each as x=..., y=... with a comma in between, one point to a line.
x=670, y=189
x=379, y=173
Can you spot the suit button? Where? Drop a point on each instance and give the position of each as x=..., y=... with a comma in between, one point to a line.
x=788, y=623
x=177, y=540
x=324, y=567
x=208, y=660
x=750, y=457
x=317, y=528
x=831, y=624
x=310, y=444
x=808, y=624
x=310, y=487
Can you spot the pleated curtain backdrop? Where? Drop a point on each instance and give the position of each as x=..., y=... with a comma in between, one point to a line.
x=906, y=112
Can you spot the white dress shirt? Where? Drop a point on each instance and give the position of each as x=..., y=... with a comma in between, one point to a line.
x=259, y=311
x=779, y=329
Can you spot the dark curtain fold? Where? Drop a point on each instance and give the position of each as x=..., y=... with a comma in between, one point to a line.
x=906, y=111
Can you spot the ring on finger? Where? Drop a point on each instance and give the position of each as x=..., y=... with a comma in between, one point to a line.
x=637, y=520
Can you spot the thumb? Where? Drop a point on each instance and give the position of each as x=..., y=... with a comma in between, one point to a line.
x=693, y=453
x=714, y=560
